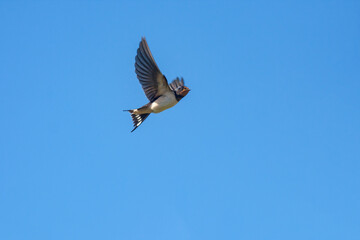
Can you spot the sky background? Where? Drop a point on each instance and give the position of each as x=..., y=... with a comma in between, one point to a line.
x=265, y=146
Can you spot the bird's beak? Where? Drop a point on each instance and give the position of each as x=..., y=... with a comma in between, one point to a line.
x=184, y=92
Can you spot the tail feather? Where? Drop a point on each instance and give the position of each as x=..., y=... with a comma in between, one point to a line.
x=137, y=119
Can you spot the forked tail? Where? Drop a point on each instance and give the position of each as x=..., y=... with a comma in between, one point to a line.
x=137, y=119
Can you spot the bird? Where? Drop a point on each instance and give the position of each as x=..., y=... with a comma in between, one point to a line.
x=161, y=95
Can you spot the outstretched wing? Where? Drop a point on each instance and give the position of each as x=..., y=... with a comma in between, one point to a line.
x=151, y=79
x=177, y=83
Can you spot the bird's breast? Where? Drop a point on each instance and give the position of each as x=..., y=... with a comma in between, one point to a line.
x=164, y=102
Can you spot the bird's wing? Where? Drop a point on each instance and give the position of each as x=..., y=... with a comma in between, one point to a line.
x=176, y=84
x=151, y=79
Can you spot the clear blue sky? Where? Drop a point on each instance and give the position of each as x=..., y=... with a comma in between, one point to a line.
x=265, y=146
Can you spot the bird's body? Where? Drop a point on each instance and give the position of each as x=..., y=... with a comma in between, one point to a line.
x=164, y=102
x=161, y=95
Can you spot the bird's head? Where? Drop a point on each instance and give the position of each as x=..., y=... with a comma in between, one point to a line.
x=183, y=91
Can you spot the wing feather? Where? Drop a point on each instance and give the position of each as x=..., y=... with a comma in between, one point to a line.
x=151, y=79
x=176, y=83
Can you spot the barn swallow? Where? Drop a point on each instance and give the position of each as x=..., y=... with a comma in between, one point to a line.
x=161, y=95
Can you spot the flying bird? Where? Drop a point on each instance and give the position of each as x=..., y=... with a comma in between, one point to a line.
x=161, y=95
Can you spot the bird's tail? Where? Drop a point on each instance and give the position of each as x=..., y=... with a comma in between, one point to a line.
x=137, y=119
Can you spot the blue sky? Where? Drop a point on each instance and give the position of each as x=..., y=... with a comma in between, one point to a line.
x=265, y=146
